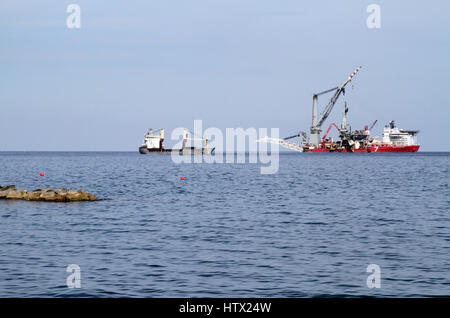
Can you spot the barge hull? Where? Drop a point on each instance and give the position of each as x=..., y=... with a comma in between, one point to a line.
x=412, y=148
x=185, y=151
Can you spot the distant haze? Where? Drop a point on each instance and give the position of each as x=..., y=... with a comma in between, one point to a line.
x=232, y=63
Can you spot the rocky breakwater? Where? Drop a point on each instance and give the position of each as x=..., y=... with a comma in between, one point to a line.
x=61, y=195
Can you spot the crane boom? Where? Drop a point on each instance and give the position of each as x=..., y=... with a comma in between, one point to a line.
x=328, y=130
x=318, y=121
x=340, y=89
x=327, y=91
x=374, y=123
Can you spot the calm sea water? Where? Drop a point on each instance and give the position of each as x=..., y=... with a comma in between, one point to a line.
x=226, y=230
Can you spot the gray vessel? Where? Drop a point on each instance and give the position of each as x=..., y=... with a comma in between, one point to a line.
x=154, y=144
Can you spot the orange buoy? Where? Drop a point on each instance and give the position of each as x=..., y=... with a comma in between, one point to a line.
x=181, y=178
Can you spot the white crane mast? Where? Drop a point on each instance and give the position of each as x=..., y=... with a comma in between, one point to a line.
x=316, y=126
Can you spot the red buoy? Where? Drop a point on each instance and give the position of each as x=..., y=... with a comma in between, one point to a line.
x=181, y=178
x=41, y=174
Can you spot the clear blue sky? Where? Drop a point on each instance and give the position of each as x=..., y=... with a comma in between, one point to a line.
x=232, y=63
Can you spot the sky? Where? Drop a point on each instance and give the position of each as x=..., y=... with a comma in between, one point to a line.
x=231, y=63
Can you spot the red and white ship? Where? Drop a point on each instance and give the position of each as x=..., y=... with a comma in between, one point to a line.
x=393, y=140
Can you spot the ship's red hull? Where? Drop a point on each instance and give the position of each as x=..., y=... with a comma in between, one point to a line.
x=413, y=148
x=337, y=150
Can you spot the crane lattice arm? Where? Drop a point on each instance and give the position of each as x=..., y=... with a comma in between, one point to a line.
x=338, y=91
x=317, y=121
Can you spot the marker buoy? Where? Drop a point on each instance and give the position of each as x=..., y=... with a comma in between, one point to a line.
x=41, y=174
x=181, y=178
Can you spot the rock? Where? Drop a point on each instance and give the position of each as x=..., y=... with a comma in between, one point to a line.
x=73, y=195
x=34, y=195
x=61, y=191
x=4, y=191
x=86, y=196
x=9, y=187
x=79, y=195
x=16, y=194
x=48, y=195
x=60, y=195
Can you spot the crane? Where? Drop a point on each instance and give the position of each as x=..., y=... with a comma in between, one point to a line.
x=374, y=123
x=328, y=130
x=282, y=142
x=300, y=134
x=186, y=138
x=314, y=138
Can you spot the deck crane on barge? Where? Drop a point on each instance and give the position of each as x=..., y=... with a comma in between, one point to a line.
x=394, y=139
x=314, y=140
x=316, y=126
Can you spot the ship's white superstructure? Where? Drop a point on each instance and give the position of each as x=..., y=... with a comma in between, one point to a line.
x=399, y=137
x=153, y=141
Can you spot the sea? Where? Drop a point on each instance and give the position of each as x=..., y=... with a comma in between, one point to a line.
x=324, y=225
